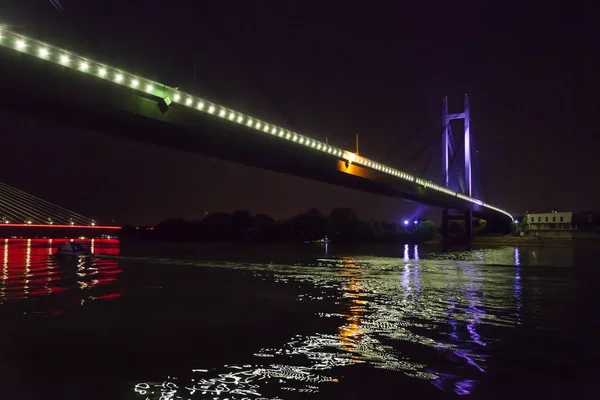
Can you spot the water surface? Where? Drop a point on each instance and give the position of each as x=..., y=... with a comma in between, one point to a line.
x=279, y=322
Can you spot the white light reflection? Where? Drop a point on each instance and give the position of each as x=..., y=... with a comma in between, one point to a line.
x=406, y=282
x=406, y=255
x=417, y=281
x=301, y=363
x=27, y=267
x=4, y=268
x=416, y=252
x=5, y=265
x=28, y=254
x=376, y=315
x=479, y=255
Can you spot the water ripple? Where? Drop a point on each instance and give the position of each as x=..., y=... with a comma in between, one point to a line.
x=430, y=318
x=391, y=313
x=31, y=270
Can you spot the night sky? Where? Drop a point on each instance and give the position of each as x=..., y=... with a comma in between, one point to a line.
x=327, y=68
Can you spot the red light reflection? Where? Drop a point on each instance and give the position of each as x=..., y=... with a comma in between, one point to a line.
x=30, y=269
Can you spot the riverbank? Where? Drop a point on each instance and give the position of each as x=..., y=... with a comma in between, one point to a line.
x=510, y=240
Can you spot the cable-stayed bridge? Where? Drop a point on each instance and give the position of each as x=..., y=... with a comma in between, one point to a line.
x=19, y=209
x=42, y=80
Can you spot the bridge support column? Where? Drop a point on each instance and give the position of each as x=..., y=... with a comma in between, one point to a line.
x=465, y=216
x=469, y=225
x=444, y=227
x=446, y=147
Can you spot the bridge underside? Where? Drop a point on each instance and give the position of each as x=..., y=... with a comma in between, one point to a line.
x=50, y=92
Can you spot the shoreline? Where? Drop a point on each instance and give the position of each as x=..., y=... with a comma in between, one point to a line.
x=536, y=242
x=477, y=241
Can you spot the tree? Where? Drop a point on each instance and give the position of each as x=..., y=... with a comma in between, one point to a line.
x=481, y=227
x=310, y=225
x=523, y=225
x=241, y=219
x=216, y=226
x=262, y=223
x=174, y=229
x=347, y=224
x=426, y=230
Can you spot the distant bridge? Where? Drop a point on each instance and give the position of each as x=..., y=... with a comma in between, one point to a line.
x=45, y=81
x=19, y=209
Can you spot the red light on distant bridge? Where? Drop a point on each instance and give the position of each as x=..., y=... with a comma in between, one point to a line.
x=60, y=226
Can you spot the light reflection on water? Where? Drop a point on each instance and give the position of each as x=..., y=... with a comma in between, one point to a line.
x=30, y=269
x=431, y=318
x=438, y=304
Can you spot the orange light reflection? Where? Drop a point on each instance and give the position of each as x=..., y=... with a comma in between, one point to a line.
x=351, y=332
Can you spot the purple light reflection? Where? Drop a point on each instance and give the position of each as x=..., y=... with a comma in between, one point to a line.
x=465, y=353
x=518, y=288
x=474, y=335
x=452, y=321
x=474, y=311
x=465, y=387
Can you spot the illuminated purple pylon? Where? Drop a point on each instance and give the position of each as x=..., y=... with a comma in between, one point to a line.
x=446, y=118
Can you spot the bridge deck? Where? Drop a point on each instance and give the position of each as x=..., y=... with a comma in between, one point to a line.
x=59, y=92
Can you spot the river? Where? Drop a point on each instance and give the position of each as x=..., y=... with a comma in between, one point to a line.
x=307, y=321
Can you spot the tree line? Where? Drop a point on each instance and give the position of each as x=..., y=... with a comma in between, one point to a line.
x=342, y=224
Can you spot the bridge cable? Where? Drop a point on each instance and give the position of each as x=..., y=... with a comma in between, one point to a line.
x=27, y=213
x=451, y=139
x=42, y=201
x=421, y=150
x=430, y=156
x=33, y=207
x=426, y=164
x=43, y=207
x=10, y=212
x=56, y=4
x=453, y=158
x=416, y=155
x=403, y=143
x=15, y=209
x=257, y=81
x=18, y=212
x=480, y=172
x=16, y=205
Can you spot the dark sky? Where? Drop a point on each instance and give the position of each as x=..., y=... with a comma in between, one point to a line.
x=327, y=68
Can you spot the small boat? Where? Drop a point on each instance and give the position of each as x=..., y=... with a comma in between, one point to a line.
x=325, y=240
x=73, y=249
